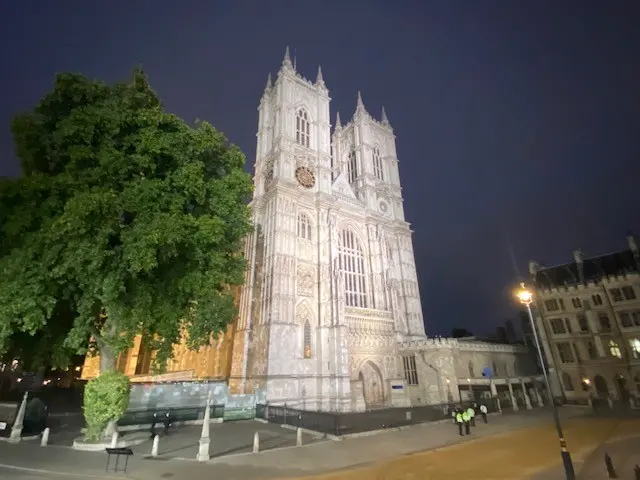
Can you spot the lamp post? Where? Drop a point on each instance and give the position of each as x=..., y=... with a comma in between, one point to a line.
x=526, y=298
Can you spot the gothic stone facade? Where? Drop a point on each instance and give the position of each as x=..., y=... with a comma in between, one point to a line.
x=332, y=285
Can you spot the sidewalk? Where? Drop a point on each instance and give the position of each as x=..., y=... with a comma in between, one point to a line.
x=284, y=463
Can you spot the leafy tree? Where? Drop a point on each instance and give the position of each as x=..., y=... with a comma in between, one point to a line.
x=461, y=333
x=126, y=220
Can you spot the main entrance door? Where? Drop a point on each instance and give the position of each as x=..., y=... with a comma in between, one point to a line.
x=373, y=388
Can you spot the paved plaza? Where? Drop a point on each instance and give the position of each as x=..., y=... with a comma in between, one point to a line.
x=522, y=445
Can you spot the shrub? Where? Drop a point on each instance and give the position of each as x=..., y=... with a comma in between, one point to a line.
x=106, y=398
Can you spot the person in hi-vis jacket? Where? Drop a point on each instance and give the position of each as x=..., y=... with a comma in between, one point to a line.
x=459, y=421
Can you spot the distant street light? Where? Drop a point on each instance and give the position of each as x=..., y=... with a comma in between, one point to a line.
x=526, y=298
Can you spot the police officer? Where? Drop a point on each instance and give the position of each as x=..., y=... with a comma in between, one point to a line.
x=483, y=411
x=466, y=419
x=460, y=421
x=472, y=416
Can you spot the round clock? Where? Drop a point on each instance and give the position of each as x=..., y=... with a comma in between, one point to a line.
x=305, y=177
x=383, y=207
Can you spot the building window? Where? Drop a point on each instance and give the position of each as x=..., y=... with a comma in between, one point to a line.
x=568, y=324
x=143, y=364
x=567, y=382
x=614, y=349
x=352, y=167
x=616, y=294
x=307, y=339
x=410, y=370
x=583, y=323
x=351, y=259
x=377, y=165
x=630, y=319
x=628, y=293
x=495, y=369
x=634, y=343
x=303, y=128
x=591, y=351
x=566, y=352
x=577, y=303
x=551, y=305
x=605, y=323
x=471, y=372
x=597, y=299
x=304, y=226
x=558, y=326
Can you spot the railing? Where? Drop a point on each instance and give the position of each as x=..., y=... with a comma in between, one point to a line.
x=183, y=414
x=337, y=423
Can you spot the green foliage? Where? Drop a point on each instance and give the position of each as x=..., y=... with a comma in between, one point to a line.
x=125, y=218
x=106, y=398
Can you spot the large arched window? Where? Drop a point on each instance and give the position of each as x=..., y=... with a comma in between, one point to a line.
x=304, y=226
x=307, y=339
x=352, y=167
x=352, y=265
x=303, y=128
x=377, y=165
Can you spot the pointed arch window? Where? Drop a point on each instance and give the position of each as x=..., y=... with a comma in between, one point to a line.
x=352, y=167
x=378, y=171
x=304, y=226
x=351, y=257
x=307, y=339
x=614, y=349
x=634, y=343
x=303, y=128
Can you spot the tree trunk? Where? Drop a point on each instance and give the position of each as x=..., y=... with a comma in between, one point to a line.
x=107, y=364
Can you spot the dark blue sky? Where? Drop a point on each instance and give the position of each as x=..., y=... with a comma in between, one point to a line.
x=518, y=117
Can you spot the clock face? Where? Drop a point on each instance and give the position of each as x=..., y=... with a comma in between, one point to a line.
x=383, y=207
x=305, y=177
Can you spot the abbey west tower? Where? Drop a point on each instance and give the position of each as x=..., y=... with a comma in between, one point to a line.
x=332, y=286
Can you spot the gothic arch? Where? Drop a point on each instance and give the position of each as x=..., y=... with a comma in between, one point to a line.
x=373, y=386
x=306, y=324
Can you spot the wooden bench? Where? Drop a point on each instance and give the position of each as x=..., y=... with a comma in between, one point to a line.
x=118, y=452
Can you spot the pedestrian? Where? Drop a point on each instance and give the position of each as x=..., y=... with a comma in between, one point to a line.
x=459, y=421
x=154, y=420
x=472, y=416
x=466, y=420
x=483, y=411
x=167, y=423
x=453, y=411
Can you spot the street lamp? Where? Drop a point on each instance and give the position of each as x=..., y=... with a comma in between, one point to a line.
x=526, y=298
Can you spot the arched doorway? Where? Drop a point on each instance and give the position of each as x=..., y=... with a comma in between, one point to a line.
x=602, y=390
x=372, y=386
x=621, y=385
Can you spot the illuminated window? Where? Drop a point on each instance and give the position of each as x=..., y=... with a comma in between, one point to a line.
x=307, y=339
x=352, y=265
x=377, y=165
x=634, y=343
x=303, y=128
x=614, y=349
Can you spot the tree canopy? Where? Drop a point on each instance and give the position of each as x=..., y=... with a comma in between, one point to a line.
x=126, y=220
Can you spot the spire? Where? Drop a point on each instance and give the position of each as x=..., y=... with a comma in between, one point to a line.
x=269, y=84
x=286, y=62
x=319, y=78
x=338, y=124
x=359, y=105
x=385, y=120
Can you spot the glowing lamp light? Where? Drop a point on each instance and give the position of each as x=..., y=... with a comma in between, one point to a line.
x=524, y=295
x=586, y=381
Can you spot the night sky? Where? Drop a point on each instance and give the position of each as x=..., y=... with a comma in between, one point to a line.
x=515, y=121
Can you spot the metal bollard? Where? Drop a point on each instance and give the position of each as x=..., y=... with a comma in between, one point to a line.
x=114, y=440
x=609, y=464
x=298, y=437
x=45, y=437
x=256, y=443
x=155, y=446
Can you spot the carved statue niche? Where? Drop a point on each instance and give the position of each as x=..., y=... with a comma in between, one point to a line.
x=305, y=281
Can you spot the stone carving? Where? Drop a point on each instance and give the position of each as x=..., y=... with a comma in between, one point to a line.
x=305, y=281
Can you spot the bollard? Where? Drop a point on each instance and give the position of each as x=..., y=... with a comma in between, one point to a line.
x=298, y=437
x=609, y=464
x=155, y=446
x=256, y=443
x=114, y=440
x=45, y=437
x=636, y=471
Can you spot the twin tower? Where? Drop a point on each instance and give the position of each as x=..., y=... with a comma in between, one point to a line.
x=332, y=285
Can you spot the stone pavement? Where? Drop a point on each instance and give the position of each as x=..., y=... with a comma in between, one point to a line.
x=311, y=459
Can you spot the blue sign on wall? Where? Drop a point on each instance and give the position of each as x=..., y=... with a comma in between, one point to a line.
x=487, y=372
x=396, y=387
